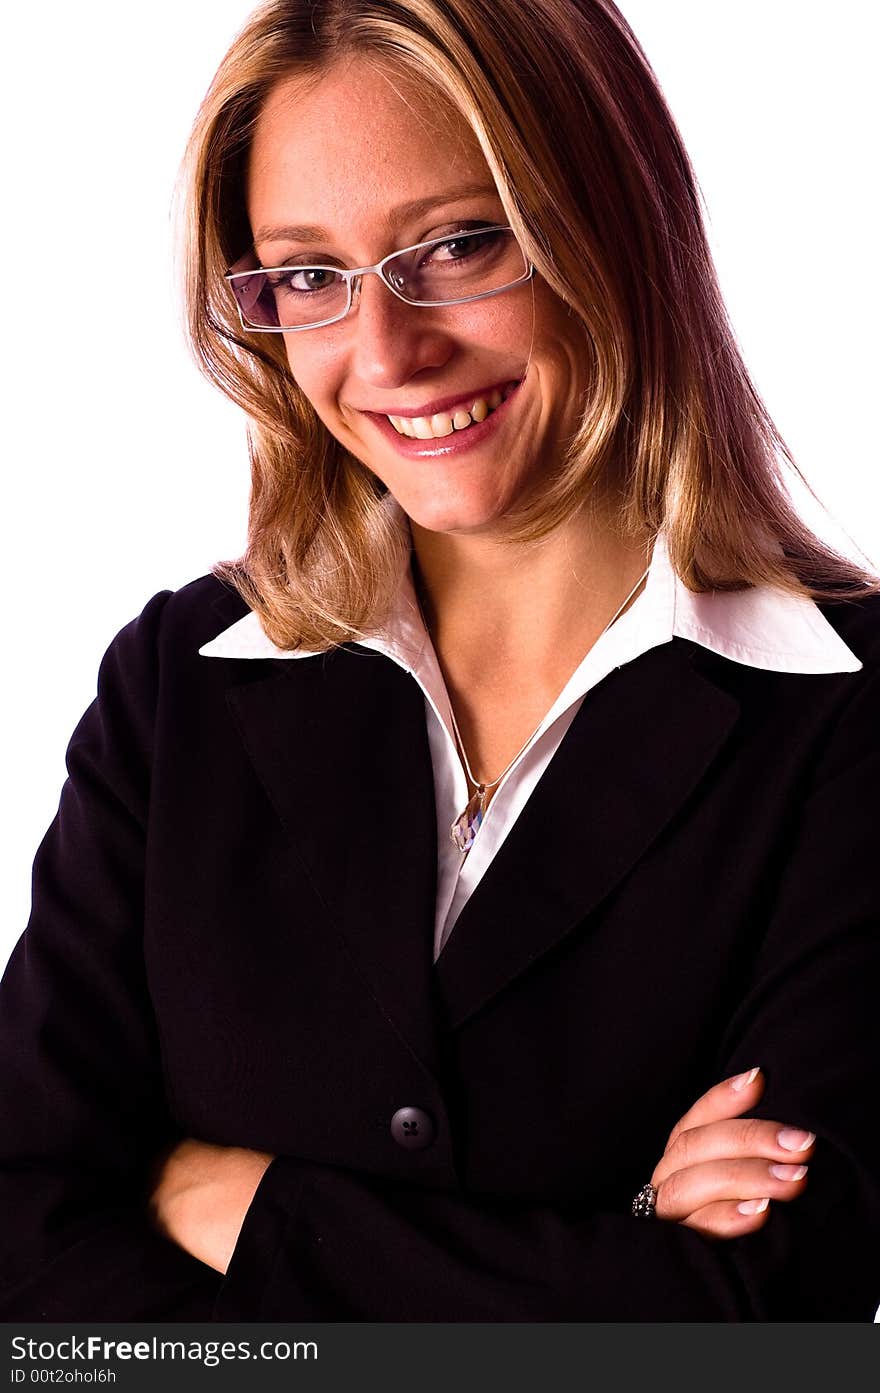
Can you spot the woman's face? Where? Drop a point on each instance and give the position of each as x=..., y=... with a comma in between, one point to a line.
x=345, y=155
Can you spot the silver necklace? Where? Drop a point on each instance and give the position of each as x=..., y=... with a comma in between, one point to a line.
x=466, y=826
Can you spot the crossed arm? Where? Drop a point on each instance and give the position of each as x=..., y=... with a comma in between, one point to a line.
x=718, y=1174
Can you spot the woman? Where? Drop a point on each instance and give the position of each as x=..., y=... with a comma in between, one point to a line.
x=495, y=834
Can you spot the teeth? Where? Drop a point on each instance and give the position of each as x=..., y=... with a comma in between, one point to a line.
x=441, y=424
x=435, y=427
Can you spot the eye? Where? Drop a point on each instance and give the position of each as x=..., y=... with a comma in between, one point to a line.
x=312, y=279
x=468, y=242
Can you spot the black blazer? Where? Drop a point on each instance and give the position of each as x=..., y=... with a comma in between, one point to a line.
x=231, y=939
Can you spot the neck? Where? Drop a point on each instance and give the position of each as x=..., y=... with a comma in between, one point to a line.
x=493, y=606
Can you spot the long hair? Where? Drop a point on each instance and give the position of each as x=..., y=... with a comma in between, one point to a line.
x=598, y=188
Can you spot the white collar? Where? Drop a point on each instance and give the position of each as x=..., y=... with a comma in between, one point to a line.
x=761, y=627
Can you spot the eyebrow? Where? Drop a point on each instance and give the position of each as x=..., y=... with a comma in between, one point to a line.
x=404, y=212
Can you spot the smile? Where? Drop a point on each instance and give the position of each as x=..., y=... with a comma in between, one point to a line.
x=461, y=428
x=443, y=423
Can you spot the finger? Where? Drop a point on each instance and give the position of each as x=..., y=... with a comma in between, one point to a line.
x=686, y=1191
x=739, y=1138
x=727, y=1099
x=726, y=1220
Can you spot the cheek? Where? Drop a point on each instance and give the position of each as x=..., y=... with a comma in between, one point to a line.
x=503, y=323
x=313, y=371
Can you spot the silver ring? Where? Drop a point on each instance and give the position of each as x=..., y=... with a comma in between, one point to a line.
x=644, y=1205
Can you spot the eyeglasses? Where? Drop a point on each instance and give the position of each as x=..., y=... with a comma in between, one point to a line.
x=448, y=270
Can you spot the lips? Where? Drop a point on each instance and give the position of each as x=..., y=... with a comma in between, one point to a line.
x=470, y=435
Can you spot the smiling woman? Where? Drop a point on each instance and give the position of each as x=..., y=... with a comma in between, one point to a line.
x=391, y=822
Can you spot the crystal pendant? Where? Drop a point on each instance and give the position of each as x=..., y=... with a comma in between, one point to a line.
x=465, y=828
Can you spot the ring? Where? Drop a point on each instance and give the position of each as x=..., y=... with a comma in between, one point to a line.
x=645, y=1203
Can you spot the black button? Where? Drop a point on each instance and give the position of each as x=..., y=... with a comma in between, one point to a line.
x=412, y=1128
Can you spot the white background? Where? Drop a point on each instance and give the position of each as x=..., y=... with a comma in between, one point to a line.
x=126, y=474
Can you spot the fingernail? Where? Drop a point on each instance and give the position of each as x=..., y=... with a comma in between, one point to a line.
x=743, y=1080
x=788, y=1172
x=752, y=1206
x=794, y=1139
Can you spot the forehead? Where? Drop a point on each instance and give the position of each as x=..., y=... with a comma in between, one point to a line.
x=354, y=142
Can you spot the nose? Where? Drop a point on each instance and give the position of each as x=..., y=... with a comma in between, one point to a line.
x=392, y=341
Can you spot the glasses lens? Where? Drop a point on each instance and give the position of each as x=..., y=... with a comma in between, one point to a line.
x=470, y=263
x=289, y=297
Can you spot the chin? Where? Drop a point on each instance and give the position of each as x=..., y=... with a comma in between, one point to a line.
x=459, y=518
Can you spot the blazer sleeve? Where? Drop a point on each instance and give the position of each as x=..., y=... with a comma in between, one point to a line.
x=320, y=1243
x=82, y=1114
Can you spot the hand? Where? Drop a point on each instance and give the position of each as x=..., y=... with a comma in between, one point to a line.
x=716, y=1161
x=201, y=1195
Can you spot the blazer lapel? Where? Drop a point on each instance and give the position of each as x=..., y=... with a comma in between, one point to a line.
x=340, y=745
x=641, y=742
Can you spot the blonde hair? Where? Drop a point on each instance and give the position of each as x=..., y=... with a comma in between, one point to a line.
x=597, y=186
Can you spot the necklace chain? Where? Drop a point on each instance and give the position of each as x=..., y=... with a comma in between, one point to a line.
x=466, y=826
x=481, y=788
